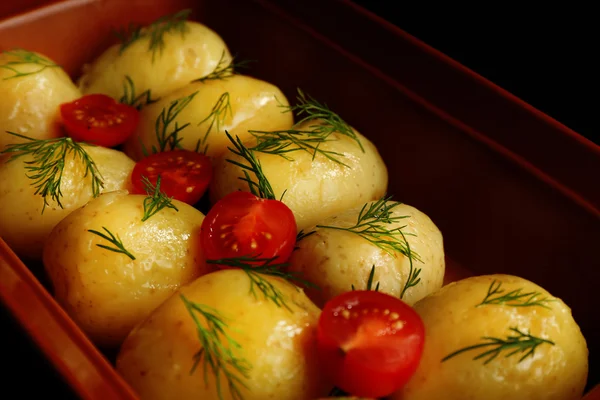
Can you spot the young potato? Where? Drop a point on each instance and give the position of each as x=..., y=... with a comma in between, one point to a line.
x=335, y=260
x=23, y=225
x=185, y=56
x=106, y=292
x=475, y=310
x=32, y=88
x=315, y=188
x=235, y=104
x=277, y=345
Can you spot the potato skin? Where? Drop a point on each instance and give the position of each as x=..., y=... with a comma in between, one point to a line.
x=255, y=105
x=22, y=224
x=156, y=358
x=183, y=59
x=453, y=321
x=29, y=105
x=105, y=292
x=314, y=189
x=335, y=260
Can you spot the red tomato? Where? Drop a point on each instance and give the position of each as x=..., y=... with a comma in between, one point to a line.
x=244, y=225
x=184, y=174
x=369, y=342
x=99, y=119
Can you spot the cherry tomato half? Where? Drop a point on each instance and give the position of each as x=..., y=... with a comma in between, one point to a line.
x=369, y=342
x=244, y=225
x=184, y=174
x=99, y=119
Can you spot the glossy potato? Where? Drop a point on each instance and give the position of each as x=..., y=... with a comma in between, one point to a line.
x=184, y=57
x=276, y=344
x=106, y=292
x=335, y=260
x=456, y=319
x=314, y=188
x=23, y=225
x=32, y=88
x=235, y=104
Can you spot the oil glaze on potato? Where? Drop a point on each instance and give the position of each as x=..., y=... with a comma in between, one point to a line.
x=253, y=104
x=335, y=260
x=455, y=319
x=105, y=292
x=278, y=344
x=184, y=57
x=22, y=224
x=29, y=104
x=314, y=189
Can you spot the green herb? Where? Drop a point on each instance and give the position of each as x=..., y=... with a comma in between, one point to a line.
x=156, y=199
x=115, y=240
x=48, y=164
x=224, y=69
x=216, y=119
x=24, y=57
x=174, y=23
x=168, y=139
x=514, y=298
x=519, y=343
x=219, y=352
x=130, y=98
x=301, y=235
x=370, y=281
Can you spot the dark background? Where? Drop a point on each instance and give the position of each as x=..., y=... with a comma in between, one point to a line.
x=547, y=57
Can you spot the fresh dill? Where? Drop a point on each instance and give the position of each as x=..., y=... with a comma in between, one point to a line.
x=370, y=281
x=514, y=298
x=114, y=240
x=130, y=98
x=215, y=119
x=155, y=200
x=519, y=342
x=46, y=169
x=173, y=23
x=224, y=69
x=301, y=235
x=219, y=352
x=24, y=57
x=167, y=137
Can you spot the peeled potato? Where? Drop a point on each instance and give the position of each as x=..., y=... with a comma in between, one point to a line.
x=106, y=292
x=314, y=188
x=278, y=345
x=23, y=225
x=184, y=57
x=29, y=104
x=334, y=260
x=455, y=319
x=253, y=104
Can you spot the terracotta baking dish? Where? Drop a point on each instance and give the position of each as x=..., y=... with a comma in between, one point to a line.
x=512, y=190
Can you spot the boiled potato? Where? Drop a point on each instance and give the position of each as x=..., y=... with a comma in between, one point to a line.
x=106, y=292
x=185, y=56
x=235, y=104
x=314, y=188
x=277, y=345
x=23, y=225
x=464, y=313
x=32, y=88
x=336, y=259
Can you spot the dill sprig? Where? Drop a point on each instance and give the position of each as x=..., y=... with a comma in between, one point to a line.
x=156, y=31
x=514, y=298
x=373, y=223
x=370, y=281
x=47, y=167
x=216, y=118
x=301, y=235
x=24, y=57
x=219, y=352
x=262, y=188
x=167, y=138
x=130, y=98
x=155, y=200
x=519, y=342
x=114, y=240
x=224, y=70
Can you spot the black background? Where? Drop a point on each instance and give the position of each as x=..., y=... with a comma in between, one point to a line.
x=546, y=56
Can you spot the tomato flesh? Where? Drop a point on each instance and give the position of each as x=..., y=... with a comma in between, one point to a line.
x=184, y=174
x=369, y=342
x=244, y=225
x=99, y=119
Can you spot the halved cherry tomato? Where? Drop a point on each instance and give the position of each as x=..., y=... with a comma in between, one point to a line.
x=184, y=174
x=244, y=225
x=369, y=342
x=99, y=119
